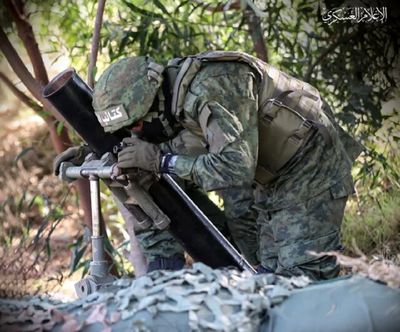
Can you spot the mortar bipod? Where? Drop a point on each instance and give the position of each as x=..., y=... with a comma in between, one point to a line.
x=99, y=275
x=125, y=190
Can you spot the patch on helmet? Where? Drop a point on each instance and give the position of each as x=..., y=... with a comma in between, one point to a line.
x=112, y=115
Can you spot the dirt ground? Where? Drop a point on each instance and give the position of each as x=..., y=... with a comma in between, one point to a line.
x=38, y=220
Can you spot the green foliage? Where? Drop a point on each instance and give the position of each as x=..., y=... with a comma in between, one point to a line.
x=169, y=29
x=26, y=250
x=377, y=171
x=376, y=229
x=21, y=207
x=78, y=249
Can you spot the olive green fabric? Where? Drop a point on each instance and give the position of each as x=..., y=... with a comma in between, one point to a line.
x=354, y=304
x=125, y=92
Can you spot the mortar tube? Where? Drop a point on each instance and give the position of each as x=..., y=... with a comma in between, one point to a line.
x=72, y=97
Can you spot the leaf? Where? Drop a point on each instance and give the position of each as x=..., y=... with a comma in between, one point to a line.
x=48, y=248
x=32, y=201
x=161, y=6
x=40, y=231
x=22, y=153
x=21, y=202
x=77, y=254
x=141, y=11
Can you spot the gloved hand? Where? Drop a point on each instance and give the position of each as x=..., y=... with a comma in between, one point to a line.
x=74, y=154
x=139, y=154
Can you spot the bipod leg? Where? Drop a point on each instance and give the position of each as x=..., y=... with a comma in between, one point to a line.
x=99, y=275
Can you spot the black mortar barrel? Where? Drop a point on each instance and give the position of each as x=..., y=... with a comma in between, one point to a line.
x=73, y=99
x=193, y=230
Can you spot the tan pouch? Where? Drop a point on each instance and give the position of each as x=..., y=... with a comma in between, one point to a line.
x=282, y=131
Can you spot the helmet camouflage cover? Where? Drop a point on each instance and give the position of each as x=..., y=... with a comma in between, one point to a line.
x=126, y=91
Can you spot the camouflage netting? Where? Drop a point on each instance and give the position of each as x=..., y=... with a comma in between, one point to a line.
x=202, y=299
x=215, y=300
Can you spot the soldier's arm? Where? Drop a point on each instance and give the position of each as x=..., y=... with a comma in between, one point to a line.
x=229, y=161
x=184, y=143
x=224, y=107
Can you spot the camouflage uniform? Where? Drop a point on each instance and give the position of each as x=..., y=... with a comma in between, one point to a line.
x=275, y=224
x=301, y=163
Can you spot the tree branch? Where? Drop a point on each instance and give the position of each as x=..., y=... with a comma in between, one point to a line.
x=25, y=33
x=328, y=50
x=253, y=21
x=256, y=34
x=23, y=73
x=95, y=42
x=219, y=8
x=60, y=141
x=19, y=94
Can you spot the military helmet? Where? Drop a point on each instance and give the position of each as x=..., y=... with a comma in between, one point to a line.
x=126, y=91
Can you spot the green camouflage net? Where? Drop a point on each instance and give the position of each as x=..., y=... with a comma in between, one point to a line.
x=200, y=298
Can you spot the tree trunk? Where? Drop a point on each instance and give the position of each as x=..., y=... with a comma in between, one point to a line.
x=26, y=34
x=95, y=42
x=256, y=34
x=61, y=140
x=250, y=13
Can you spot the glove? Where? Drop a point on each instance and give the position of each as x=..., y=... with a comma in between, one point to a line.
x=139, y=154
x=75, y=155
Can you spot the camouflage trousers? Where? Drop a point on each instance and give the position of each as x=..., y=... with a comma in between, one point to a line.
x=155, y=243
x=287, y=236
x=284, y=236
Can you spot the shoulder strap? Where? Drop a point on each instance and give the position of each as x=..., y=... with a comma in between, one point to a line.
x=188, y=71
x=192, y=64
x=254, y=62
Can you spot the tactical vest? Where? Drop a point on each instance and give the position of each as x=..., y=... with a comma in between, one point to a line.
x=289, y=109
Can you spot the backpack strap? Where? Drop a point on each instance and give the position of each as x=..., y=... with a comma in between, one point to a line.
x=190, y=66
x=188, y=71
x=234, y=56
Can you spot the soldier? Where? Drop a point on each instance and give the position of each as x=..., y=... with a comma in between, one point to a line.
x=266, y=141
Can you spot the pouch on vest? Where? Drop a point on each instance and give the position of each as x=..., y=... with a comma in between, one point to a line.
x=282, y=131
